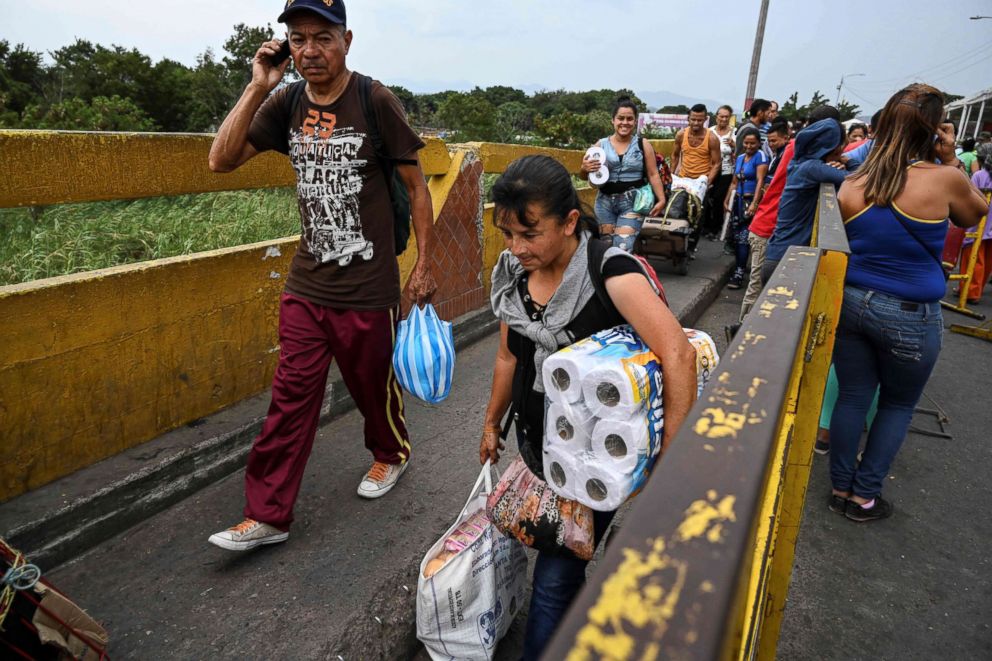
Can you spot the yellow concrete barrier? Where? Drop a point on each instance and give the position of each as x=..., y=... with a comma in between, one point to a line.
x=95, y=363
x=55, y=167
x=99, y=362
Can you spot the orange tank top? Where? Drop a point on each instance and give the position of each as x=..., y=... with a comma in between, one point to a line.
x=695, y=160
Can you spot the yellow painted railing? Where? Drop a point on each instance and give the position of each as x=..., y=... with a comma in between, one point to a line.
x=700, y=568
x=95, y=363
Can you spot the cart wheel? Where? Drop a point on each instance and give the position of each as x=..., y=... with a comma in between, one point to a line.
x=682, y=266
x=344, y=261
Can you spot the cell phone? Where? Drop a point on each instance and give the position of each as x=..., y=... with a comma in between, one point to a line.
x=281, y=54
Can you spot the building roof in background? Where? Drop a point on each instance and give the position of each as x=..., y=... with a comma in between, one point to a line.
x=984, y=95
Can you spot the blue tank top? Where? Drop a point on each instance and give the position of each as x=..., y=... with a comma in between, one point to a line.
x=746, y=170
x=897, y=254
x=628, y=168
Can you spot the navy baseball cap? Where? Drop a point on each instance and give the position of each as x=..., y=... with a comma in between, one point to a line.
x=332, y=10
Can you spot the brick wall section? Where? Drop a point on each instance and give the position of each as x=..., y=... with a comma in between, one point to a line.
x=458, y=254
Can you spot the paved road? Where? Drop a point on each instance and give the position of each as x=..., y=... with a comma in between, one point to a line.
x=914, y=587
x=918, y=585
x=163, y=592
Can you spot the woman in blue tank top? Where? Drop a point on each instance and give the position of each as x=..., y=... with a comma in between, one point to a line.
x=895, y=209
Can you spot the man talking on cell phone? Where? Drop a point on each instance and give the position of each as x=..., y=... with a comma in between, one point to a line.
x=347, y=137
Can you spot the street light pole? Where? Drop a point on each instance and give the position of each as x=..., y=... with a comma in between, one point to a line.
x=846, y=75
x=759, y=38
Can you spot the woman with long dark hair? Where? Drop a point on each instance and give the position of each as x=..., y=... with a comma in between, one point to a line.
x=543, y=295
x=631, y=163
x=895, y=209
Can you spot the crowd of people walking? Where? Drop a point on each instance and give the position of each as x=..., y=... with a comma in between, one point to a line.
x=900, y=184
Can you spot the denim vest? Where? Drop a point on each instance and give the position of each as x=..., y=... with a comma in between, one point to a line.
x=630, y=167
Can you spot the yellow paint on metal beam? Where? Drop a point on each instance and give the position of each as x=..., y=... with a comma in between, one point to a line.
x=645, y=589
x=53, y=167
x=825, y=300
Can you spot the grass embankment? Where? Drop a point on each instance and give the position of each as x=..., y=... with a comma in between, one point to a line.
x=71, y=238
x=44, y=242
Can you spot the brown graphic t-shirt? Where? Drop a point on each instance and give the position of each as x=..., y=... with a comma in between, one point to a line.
x=347, y=254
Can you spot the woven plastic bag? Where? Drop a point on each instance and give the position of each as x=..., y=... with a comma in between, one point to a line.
x=466, y=607
x=424, y=355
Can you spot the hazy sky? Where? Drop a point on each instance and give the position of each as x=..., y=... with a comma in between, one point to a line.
x=698, y=49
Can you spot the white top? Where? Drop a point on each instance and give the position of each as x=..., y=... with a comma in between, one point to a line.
x=727, y=143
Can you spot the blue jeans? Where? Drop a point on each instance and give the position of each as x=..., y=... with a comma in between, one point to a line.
x=557, y=579
x=739, y=229
x=618, y=211
x=885, y=342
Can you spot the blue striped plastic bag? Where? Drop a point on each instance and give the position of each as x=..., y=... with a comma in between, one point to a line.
x=424, y=355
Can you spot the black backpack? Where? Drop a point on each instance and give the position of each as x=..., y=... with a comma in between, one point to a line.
x=398, y=195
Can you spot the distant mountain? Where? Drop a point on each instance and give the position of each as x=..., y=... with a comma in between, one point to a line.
x=655, y=100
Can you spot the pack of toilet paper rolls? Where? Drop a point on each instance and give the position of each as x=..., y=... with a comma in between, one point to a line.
x=604, y=419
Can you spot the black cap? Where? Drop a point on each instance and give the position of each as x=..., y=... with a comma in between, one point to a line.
x=331, y=10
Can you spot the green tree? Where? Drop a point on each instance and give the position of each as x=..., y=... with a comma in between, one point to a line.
x=470, y=115
x=573, y=130
x=211, y=94
x=498, y=95
x=848, y=110
x=680, y=109
x=99, y=114
x=22, y=80
x=792, y=111
x=512, y=119
x=241, y=48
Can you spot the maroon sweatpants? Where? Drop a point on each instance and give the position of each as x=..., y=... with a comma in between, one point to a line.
x=310, y=336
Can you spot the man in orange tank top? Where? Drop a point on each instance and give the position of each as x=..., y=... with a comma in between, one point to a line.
x=697, y=151
x=697, y=154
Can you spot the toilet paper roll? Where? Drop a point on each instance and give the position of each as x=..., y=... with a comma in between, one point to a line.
x=595, y=153
x=562, y=375
x=600, y=488
x=616, y=391
x=600, y=176
x=562, y=471
x=569, y=425
x=619, y=444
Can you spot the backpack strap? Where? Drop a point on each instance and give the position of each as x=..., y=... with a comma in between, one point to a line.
x=597, y=251
x=295, y=94
x=644, y=159
x=365, y=97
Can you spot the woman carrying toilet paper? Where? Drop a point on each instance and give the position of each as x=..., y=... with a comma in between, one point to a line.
x=545, y=300
x=619, y=165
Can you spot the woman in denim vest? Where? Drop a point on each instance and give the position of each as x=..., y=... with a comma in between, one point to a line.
x=626, y=162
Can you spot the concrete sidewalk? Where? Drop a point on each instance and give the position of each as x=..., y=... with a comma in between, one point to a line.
x=343, y=585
